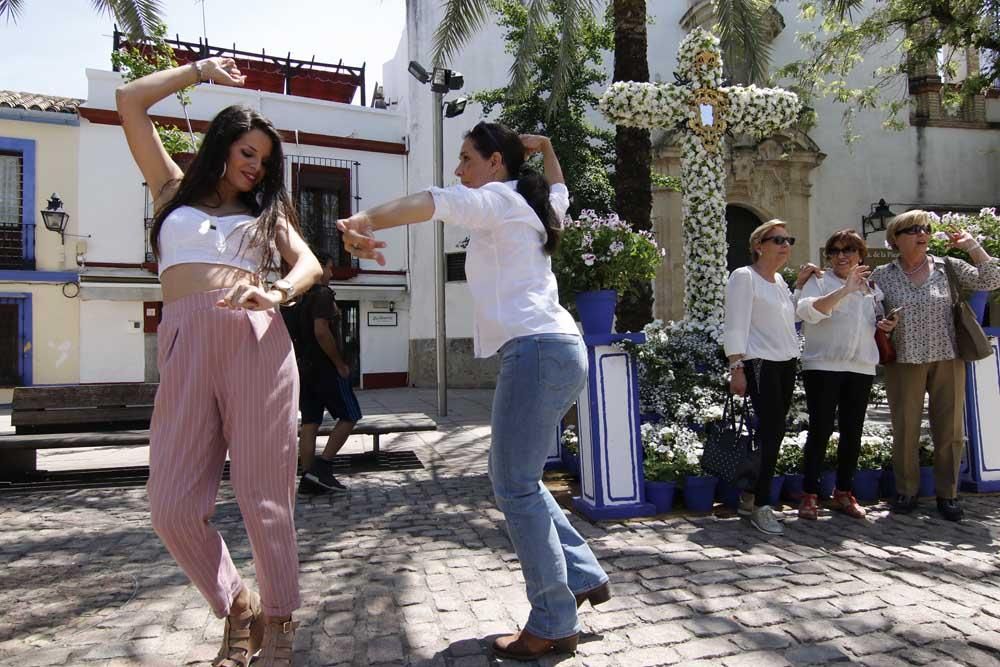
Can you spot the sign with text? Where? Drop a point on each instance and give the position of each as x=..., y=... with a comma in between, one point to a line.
x=383, y=319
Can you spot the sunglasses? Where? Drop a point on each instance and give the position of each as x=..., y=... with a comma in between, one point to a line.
x=833, y=252
x=916, y=229
x=779, y=240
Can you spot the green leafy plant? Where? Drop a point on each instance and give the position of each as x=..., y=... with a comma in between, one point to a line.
x=790, y=455
x=983, y=226
x=155, y=55
x=570, y=440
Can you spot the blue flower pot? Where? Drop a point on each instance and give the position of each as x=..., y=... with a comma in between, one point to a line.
x=888, y=483
x=661, y=495
x=827, y=480
x=650, y=418
x=978, y=301
x=792, y=488
x=699, y=493
x=571, y=463
x=927, y=486
x=866, y=485
x=597, y=311
x=727, y=494
x=777, y=482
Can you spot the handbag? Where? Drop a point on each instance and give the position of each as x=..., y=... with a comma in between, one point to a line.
x=731, y=453
x=971, y=343
x=886, y=350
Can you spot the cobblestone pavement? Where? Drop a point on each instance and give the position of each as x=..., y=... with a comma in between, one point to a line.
x=414, y=568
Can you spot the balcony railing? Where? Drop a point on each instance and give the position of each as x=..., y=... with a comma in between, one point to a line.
x=13, y=237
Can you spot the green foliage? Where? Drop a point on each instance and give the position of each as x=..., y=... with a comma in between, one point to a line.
x=790, y=455
x=585, y=152
x=155, y=55
x=984, y=227
x=920, y=29
x=672, y=183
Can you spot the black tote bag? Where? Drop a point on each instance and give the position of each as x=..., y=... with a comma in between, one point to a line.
x=730, y=451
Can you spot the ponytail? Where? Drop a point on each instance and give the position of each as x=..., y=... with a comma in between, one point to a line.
x=489, y=138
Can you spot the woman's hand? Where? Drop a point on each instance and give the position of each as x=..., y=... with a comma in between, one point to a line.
x=250, y=297
x=805, y=272
x=359, y=238
x=343, y=370
x=222, y=71
x=887, y=324
x=737, y=382
x=961, y=239
x=535, y=143
x=857, y=279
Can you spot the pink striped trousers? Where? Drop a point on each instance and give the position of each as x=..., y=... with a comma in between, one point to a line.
x=228, y=381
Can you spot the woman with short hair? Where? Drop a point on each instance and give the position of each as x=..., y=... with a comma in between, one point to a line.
x=926, y=359
x=840, y=313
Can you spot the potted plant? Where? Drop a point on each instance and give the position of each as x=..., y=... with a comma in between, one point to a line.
x=570, y=451
x=875, y=451
x=658, y=468
x=828, y=476
x=984, y=227
x=925, y=456
x=598, y=257
x=790, y=465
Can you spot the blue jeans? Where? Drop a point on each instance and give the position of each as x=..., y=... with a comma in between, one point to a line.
x=541, y=376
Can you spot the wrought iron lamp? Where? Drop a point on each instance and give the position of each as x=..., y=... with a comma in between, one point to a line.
x=55, y=217
x=877, y=218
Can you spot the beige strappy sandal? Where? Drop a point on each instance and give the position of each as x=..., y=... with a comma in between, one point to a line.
x=242, y=636
x=278, y=647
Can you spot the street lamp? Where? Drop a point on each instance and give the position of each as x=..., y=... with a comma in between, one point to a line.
x=442, y=80
x=876, y=220
x=55, y=217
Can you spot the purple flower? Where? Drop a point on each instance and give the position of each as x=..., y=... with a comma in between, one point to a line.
x=588, y=258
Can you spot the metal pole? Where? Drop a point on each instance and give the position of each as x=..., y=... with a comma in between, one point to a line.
x=440, y=339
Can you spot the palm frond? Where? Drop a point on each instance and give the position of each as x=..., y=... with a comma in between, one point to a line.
x=136, y=17
x=743, y=35
x=844, y=9
x=573, y=12
x=520, y=71
x=462, y=18
x=11, y=10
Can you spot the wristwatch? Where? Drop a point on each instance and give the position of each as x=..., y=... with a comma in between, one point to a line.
x=286, y=288
x=736, y=364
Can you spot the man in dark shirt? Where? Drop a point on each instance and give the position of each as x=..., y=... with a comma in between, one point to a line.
x=325, y=381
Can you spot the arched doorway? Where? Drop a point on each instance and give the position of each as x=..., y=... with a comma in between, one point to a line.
x=740, y=223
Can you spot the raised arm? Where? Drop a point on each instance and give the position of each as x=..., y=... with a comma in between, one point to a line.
x=134, y=100
x=536, y=143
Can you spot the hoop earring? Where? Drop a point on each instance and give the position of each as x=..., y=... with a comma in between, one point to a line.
x=223, y=174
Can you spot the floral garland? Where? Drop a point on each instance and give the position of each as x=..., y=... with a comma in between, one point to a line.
x=751, y=110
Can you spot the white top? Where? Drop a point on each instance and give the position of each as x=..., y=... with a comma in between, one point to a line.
x=190, y=236
x=844, y=340
x=514, y=291
x=760, y=317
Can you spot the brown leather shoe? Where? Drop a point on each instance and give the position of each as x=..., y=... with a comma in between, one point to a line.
x=526, y=646
x=596, y=596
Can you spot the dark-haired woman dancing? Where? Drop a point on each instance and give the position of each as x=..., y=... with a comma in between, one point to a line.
x=228, y=380
x=514, y=220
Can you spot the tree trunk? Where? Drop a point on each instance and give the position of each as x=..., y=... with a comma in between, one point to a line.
x=633, y=189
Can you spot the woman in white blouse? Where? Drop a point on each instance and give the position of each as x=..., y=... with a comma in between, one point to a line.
x=840, y=313
x=763, y=348
x=514, y=220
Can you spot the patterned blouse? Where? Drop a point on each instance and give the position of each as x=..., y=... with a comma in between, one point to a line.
x=926, y=329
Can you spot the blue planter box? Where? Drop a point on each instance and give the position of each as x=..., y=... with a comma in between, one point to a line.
x=827, y=482
x=661, y=494
x=927, y=486
x=699, y=493
x=792, y=489
x=866, y=485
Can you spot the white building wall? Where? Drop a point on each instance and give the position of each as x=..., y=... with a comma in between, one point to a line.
x=111, y=342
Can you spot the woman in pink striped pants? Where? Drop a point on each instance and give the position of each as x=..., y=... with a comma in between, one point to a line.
x=228, y=380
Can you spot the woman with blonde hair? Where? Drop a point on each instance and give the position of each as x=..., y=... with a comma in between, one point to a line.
x=763, y=350
x=926, y=359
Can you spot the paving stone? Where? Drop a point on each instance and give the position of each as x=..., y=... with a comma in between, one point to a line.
x=756, y=659
x=863, y=623
x=716, y=647
x=815, y=654
x=812, y=632
x=874, y=642
x=656, y=635
x=924, y=633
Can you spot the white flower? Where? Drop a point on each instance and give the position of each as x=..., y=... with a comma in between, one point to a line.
x=588, y=258
x=617, y=247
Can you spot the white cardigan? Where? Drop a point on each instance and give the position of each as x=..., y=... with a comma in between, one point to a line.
x=844, y=340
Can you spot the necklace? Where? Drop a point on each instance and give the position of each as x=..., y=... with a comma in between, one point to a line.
x=912, y=271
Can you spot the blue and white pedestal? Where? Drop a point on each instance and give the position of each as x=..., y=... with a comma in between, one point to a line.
x=980, y=470
x=611, y=479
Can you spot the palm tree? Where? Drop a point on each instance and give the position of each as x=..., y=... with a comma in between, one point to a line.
x=137, y=17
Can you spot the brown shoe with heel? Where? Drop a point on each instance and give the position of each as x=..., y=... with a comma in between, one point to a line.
x=526, y=646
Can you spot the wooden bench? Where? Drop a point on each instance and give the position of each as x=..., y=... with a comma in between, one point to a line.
x=117, y=415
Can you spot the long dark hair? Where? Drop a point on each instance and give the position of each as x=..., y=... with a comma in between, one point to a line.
x=490, y=138
x=268, y=201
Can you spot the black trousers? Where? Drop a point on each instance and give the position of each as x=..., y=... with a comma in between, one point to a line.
x=844, y=395
x=770, y=384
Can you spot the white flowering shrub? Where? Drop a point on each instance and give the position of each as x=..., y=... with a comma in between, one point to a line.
x=570, y=440
x=602, y=252
x=984, y=227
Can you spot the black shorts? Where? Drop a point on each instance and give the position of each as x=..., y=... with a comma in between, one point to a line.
x=322, y=388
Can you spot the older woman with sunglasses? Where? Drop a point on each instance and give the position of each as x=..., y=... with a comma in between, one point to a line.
x=762, y=347
x=839, y=313
x=926, y=360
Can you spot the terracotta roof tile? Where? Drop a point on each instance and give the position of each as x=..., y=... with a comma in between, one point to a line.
x=34, y=102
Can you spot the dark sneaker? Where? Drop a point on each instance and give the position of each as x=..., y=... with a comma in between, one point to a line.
x=904, y=504
x=950, y=509
x=321, y=475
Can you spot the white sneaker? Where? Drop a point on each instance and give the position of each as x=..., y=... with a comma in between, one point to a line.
x=763, y=519
x=745, y=507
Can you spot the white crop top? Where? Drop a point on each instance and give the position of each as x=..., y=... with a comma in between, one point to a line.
x=190, y=236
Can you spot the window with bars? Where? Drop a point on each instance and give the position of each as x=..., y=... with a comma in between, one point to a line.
x=12, y=254
x=324, y=190
x=454, y=267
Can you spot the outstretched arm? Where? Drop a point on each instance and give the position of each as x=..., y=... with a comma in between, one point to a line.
x=134, y=100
